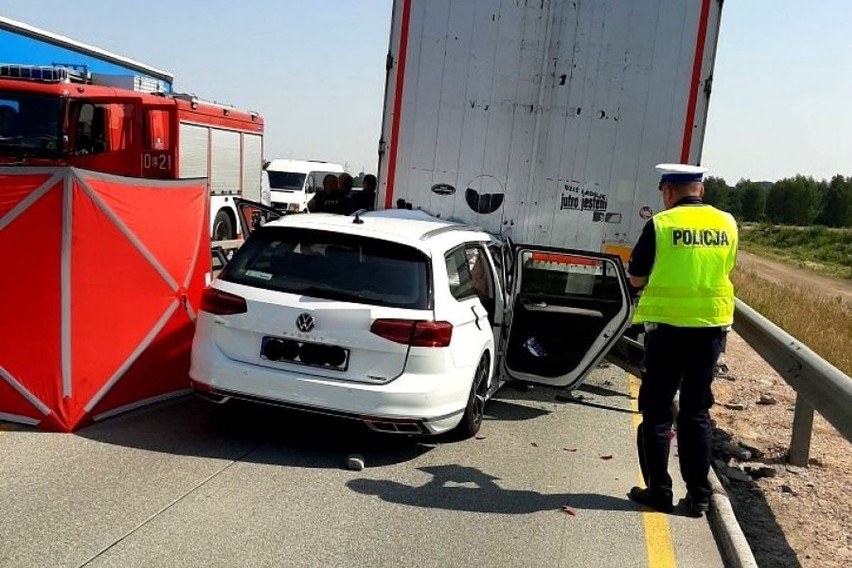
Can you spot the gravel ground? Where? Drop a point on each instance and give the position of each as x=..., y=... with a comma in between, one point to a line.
x=801, y=516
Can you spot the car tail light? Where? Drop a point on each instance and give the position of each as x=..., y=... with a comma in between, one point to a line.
x=220, y=303
x=414, y=332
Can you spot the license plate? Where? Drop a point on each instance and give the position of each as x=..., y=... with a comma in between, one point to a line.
x=317, y=355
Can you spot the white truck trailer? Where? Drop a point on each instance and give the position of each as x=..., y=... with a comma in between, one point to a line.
x=543, y=120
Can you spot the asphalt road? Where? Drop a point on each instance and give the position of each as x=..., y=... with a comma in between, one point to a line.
x=182, y=484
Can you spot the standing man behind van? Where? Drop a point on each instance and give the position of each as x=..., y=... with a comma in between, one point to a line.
x=334, y=197
x=366, y=198
x=683, y=258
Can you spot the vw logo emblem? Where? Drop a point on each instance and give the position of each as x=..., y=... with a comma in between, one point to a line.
x=305, y=322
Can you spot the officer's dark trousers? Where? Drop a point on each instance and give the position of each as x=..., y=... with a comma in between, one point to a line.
x=677, y=357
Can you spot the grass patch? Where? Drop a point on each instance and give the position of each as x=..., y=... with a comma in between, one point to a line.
x=823, y=324
x=823, y=250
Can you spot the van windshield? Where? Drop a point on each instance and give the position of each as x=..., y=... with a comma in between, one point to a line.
x=289, y=181
x=333, y=266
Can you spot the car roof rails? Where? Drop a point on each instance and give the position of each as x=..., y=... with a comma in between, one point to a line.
x=452, y=226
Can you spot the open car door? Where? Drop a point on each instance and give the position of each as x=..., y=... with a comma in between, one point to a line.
x=253, y=215
x=567, y=309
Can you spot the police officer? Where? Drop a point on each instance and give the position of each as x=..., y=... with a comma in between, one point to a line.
x=683, y=259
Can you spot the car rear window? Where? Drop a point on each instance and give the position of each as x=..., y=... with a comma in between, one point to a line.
x=334, y=266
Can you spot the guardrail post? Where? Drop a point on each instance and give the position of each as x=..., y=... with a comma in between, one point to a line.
x=800, y=442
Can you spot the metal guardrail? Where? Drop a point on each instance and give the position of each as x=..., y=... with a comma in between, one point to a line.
x=819, y=385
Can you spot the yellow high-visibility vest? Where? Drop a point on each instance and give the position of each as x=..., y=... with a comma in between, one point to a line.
x=689, y=285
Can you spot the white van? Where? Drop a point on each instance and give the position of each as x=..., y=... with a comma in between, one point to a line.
x=292, y=183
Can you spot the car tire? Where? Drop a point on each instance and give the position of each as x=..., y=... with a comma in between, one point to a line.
x=475, y=410
x=223, y=227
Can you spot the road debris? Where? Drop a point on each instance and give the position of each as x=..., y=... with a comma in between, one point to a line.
x=568, y=511
x=734, y=406
x=736, y=474
x=570, y=449
x=569, y=396
x=760, y=471
x=605, y=458
x=355, y=462
x=735, y=451
x=752, y=447
x=767, y=400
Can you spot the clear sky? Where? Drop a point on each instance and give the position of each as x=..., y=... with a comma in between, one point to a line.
x=781, y=103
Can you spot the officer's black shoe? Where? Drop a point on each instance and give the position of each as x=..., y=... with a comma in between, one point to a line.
x=696, y=507
x=659, y=503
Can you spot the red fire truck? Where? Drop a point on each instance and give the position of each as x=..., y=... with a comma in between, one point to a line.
x=65, y=116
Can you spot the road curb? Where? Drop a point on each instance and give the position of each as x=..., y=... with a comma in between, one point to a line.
x=729, y=536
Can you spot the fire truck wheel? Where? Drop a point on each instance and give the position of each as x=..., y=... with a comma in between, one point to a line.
x=223, y=227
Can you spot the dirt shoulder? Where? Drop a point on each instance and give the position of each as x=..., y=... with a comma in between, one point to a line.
x=791, y=516
x=801, y=516
x=778, y=271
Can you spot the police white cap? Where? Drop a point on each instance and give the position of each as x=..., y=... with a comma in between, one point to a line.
x=680, y=173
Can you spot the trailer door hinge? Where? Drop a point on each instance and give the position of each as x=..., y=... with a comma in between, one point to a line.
x=389, y=62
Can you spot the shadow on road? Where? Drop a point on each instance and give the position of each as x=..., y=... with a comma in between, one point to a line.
x=254, y=433
x=592, y=404
x=460, y=488
x=599, y=390
x=764, y=534
x=505, y=410
x=553, y=396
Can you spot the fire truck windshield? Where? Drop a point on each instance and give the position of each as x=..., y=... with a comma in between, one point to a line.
x=29, y=124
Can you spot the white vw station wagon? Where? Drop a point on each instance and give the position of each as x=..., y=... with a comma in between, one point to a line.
x=403, y=321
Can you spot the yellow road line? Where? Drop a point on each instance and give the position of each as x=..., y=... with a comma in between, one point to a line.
x=658, y=534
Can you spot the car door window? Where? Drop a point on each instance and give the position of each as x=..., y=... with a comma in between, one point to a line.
x=253, y=215
x=458, y=271
x=568, y=310
x=496, y=252
x=482, y=278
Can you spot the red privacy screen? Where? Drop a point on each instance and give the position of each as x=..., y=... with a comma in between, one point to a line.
x=102, y=277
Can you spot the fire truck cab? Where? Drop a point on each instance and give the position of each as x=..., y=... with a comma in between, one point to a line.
x=66, y=116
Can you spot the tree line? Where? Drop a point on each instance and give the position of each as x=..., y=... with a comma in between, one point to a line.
x=799, y=200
